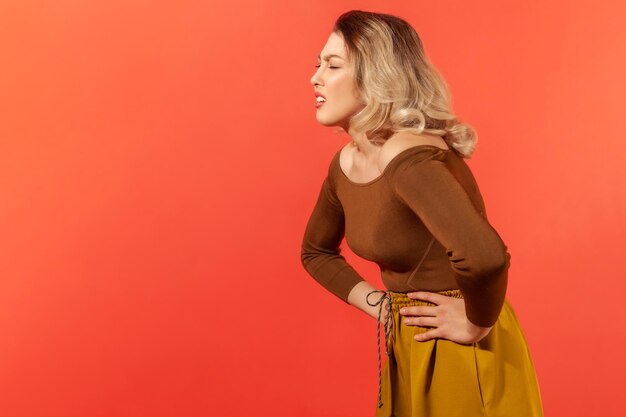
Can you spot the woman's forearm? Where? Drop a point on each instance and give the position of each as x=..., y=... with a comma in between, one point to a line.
x=357, y=298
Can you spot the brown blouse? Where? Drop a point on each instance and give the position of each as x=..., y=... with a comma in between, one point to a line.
x=422, y=221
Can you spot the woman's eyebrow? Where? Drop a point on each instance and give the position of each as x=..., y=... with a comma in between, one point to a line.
x=327, y=57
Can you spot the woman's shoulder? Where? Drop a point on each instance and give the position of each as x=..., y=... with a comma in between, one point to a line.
x=408, y=143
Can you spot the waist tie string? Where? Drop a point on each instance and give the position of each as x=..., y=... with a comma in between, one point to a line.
x=387, y=329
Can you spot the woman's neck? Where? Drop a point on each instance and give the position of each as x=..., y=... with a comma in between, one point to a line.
x=363, y=145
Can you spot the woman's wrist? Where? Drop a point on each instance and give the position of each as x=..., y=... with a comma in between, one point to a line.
x=477, y=332
x=365, y=297
x=379, y=302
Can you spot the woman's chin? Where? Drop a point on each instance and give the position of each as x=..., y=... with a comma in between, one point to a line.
x=325, y=121
x=328, y=122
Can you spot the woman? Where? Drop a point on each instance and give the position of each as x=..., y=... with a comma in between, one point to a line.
x=403, y=197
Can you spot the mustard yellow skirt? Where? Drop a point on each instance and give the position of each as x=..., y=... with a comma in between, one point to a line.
x=494, y=377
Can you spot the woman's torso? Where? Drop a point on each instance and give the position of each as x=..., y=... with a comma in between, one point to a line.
x=383, y=229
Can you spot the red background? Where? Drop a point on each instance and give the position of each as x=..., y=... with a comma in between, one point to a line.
x=159, y=161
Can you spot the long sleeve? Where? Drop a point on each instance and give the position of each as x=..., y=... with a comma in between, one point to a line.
x=320, y=254
x=478, y=256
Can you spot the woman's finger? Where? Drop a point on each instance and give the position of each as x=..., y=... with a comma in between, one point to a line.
x=432, y=297
x=422, y=321
x=419, y=311
x=428, y=335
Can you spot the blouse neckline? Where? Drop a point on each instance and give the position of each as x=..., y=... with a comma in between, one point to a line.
x=384, y=171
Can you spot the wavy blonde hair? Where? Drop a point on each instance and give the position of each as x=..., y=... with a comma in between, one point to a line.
x=402, y=90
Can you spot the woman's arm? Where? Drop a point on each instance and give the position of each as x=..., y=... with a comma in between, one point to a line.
x=320, y=254
x=478, y=256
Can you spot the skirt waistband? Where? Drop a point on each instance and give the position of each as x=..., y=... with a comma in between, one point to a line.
x=400, y=299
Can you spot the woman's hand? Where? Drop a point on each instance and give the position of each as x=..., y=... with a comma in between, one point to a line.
x=447, y=317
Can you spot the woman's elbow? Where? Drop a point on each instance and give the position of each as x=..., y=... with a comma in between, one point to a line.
x=495, y=263
x=306, y=256
x=481, y=266
x=310, y=254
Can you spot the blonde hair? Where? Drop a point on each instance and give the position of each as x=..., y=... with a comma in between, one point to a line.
x=402, y=90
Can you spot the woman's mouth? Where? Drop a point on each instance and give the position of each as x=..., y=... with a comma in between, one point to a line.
x=320, y=100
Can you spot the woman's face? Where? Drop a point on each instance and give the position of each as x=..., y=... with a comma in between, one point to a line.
x=334, y=80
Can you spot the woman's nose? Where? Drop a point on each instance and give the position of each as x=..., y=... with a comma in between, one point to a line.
x=315, y=78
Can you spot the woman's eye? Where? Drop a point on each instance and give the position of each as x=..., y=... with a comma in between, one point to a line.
x=318, y=65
